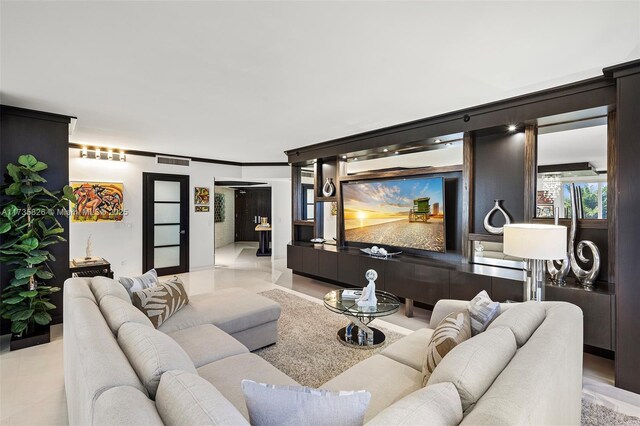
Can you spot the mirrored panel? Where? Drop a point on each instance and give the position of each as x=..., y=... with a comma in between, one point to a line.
x=308, y=199
x=579, y=157
x=445, y=154
x=491, y=253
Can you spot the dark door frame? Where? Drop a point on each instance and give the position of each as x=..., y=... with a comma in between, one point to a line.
x=148, y=233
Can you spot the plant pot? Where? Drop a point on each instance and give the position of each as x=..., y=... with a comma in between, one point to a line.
x=40, y=335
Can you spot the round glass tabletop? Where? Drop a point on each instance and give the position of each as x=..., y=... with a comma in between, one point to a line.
x=387, y=304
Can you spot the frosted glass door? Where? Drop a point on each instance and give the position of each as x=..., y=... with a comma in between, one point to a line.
x=166, y=227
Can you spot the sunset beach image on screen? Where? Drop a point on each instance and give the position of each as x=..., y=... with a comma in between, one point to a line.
x=398, y=212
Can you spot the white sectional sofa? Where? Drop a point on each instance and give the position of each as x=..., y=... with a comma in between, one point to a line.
x=120, y=370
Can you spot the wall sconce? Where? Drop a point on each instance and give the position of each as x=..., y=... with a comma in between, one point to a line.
x=99, y=154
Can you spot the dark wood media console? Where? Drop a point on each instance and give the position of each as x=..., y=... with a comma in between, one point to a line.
x=428, y=280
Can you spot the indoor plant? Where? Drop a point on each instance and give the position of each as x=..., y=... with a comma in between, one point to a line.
x=29, y=225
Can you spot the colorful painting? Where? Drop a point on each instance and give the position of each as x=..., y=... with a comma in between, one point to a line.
x=406, y=212
x=541, y=198
x=98, y=202
x=201, y=195
x=218, y=207
x=202, y=209
x=545, y=211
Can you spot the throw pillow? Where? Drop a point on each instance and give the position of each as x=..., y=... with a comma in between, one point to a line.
x=297, y=405
x=161, y=301
x=482, y=311
x=146, y=280
x=454, y=329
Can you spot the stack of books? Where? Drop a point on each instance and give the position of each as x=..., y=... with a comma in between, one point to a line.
x=87, y=261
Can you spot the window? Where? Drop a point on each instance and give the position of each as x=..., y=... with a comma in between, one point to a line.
x=308, y=202
x=594, y=199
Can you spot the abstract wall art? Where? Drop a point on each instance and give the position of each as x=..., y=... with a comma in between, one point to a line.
x=98, y=202
x=201, y=196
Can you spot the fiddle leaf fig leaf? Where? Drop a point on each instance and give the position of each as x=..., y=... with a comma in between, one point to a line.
x=27, y=160
x=4, y=228
x=14, y=172
x=10, y=211
x=13, y=189
x=25, y=272
x=29, y=294
x=39, y=166
x=13, y=300
x=45, y=275
x=22, y=315
x=42, y=318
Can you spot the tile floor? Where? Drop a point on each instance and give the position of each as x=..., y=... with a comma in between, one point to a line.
x=34, y=376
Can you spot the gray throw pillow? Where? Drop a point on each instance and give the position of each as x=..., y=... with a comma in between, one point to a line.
x=140, y=282
x=482, y=311
x=297, y=405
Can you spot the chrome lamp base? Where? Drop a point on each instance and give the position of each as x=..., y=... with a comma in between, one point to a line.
x=535, y=281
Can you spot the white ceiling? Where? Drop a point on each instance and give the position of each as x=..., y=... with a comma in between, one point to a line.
x=244, y=81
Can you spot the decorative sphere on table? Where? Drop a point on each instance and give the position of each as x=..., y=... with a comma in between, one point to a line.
x=368, y=297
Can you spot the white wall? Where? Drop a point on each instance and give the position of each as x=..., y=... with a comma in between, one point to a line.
x=281, y=217
x=121, y=242
x=225, y=230
x=266, y=172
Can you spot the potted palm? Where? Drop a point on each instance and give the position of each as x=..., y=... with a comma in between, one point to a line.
x=29, y=226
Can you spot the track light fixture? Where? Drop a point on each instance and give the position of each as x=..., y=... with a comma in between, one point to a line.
x=100, y=154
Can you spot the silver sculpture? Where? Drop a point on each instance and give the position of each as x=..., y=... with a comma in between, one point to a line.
x=328, y=189
x=586, y=278
x=559, y=274
x=496, y=230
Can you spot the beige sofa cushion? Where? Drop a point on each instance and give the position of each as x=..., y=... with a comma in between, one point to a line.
x=232, y=310
x=227, y=374
x=151, y=353
x=472, y=366
x=125, y=406
x=117, y=312
x=523, y=319
x=103, y=286
x=385, y=379
x=207, y=343
x=188, y=399
x=436, y=405
x=298, y=405
x=411, y=349
x=454, y=329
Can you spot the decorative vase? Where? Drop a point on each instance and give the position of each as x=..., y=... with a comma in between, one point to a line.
x=586, y=278
x=496, y=230
x=559, y=273
x=328, y=189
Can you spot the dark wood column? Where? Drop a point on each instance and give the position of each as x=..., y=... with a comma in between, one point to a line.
x=530, y=171
x=627, y=226
x=46, y=136
x=467, y=193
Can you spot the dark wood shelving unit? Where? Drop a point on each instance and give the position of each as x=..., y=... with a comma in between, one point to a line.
x=498, y=164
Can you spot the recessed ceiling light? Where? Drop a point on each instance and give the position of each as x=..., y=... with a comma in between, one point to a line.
x=438, y=140
x=512, y=127
x=355, y=159
x=385, y=150
x=397, y=153
x=344, y=157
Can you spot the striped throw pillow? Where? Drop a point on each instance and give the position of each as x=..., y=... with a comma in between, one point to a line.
x=140, y=282
x=161, y=301
x=454, y=329
x=482, y=311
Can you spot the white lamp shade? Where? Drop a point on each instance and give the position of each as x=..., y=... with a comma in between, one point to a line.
x=533, y=241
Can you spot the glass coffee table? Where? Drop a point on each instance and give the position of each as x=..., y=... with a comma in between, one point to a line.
x=358, y=333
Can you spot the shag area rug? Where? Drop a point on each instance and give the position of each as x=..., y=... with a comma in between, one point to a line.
x=596, y=415
x=308, y=350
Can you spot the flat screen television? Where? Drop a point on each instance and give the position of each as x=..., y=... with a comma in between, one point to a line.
x=396, y=212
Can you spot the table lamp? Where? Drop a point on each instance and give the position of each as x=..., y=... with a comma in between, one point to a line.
x=536, y=243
